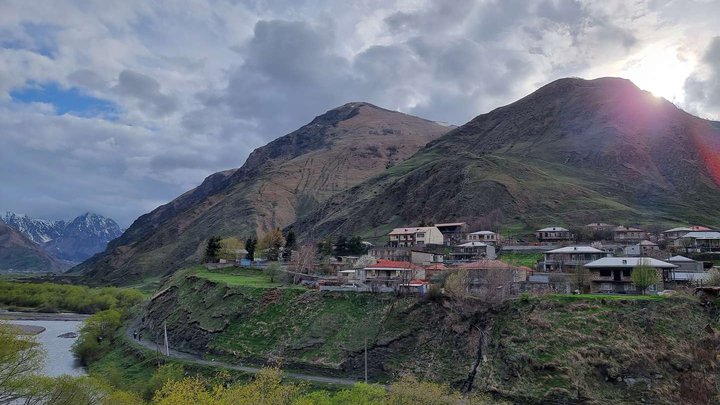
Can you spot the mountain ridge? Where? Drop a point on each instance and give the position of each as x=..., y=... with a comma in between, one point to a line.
x=286, y=178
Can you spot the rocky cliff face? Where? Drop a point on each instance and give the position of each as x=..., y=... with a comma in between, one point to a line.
x=575, y=151
x=288, y=177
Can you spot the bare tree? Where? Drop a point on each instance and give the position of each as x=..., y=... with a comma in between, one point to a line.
x=581, y=278
x=303, y=260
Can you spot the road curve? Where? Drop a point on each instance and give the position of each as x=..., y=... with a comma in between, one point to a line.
x=197, y=359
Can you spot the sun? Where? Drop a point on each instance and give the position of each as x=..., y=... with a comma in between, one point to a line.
x=660, y=71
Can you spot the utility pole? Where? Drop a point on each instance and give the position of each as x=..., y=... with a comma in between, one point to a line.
x=366, y=379
x=167, y=346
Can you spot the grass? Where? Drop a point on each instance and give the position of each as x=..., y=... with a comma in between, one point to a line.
x=235, y=277
x=521, y=259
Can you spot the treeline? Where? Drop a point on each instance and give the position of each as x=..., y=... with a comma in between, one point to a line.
x=49, y=297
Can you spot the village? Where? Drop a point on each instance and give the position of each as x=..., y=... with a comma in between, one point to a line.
x=597, y=258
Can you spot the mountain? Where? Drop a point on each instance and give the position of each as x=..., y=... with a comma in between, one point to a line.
x=73, y=241
x=280, y=181
x=18, y=253
x=37, y=230
x=83, y=237
x=573, y=152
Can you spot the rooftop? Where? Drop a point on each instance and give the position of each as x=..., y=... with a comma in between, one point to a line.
x=486, y=264
x=680, y=259
x=451, y=224
x=473, y=244
x=383, y=264
x=404, y=231
x=702, y=235
x=629, y=262
x=576, y=249
x=552, y=229
x=483, y=233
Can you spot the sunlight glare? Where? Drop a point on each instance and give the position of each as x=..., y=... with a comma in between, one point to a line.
x=659, y=71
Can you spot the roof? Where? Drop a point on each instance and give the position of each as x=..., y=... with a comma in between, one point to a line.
x=383, y=264
x=483, y=233
x=680, y=259
x=404, y=231
x=600, y=225
x=629, y=262
x=473, y=244
x=681, y=229
x=553, y=228
x=576, y=249
x=486, y=264
x=700, y=228
x=647, y=243
x=702, y=235
x=436, y=266
x=627, y=229
x=451, y=224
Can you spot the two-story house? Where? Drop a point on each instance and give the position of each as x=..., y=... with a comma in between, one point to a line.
x=415, y=236
x=453, y=232
x=628, y=234
x=614, y=274
x=675, y=233
x=699, y=241
x=489, y=237
x=469, y=251
x=567, y=259
x=553, y=234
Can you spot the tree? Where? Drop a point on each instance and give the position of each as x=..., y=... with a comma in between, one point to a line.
x=325, y=247
x=250, y=248
x=581, y=278
x=355, y=246
x=230, y=248
x=686, y=243
x=212, y=250
x=643, y=276
x=289, y=245
x=303, y=260
x=274, y=271
x=341, y=248
x=272, y=243
x=20, y=359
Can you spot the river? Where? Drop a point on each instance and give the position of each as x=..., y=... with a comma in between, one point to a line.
x=59, y=359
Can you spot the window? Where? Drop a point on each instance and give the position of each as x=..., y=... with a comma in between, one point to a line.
x=605, y=273
x=652, y=288
x=420, y=235
x=606, y=287
x=626, y=272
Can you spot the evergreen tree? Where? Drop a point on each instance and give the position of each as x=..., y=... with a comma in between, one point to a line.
x=250, y=247
x=212, y=250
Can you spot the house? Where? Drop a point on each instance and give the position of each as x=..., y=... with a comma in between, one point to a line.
x=453, y=232
x=644, y=248
x=423, y=257
x=685, y=264
x=628, y=234
x=699, y=241
x=675, y=233
x=553, y=234
x=408, y=237
x=493, y=278
x=469, y=251
x=391, y=269
x=600, y=226
x=614, y=274
x=489, y=237
x=566, y=259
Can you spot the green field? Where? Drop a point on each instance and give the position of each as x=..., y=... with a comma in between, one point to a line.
x=521, y=259
x=241, y=277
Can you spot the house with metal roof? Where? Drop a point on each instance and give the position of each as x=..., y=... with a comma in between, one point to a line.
x=699, y=241
x=674, y=233
x=686, y=264
x=628, y=234
x=566, y=259
x=614, y=274
x=488, y=237
x=469, y=251
x=553, y=234
x=415, y=236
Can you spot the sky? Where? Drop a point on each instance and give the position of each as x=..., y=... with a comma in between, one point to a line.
x=118, y=107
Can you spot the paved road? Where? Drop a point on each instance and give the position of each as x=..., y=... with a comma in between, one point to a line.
x=197, y=359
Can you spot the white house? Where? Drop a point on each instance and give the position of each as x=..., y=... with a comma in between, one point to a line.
x=415, y=236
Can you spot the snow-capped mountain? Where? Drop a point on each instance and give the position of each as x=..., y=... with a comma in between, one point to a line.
x=73, y=240
x=37, y=230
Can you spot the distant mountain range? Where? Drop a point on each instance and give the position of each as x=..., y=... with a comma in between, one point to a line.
x=70, y=241
x=19, y=253
x=573, y=152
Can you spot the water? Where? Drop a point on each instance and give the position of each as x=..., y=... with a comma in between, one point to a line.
x=59, y=359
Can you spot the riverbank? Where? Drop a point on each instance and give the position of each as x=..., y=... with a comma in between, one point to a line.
x=41, y=316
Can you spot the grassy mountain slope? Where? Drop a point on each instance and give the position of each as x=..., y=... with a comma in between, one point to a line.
x=18, y=253
x=551, y=349
x=289, y=176
x=573, y=152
